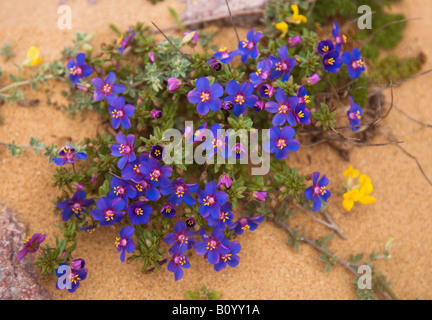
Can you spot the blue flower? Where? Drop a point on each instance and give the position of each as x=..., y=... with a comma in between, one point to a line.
x=155, y=173
x=283, y=108
x=78, y=69
x=318, y=191
x=124, y=243
x=241, y=96
x=246, y=223
x=224, y=56
x=262, y=73
x=179, y=191
x=354, y=62
x=354, y=115
x=181, y=239
x=121, y=189
x=139, y=213
x=74, y=205
x=123, y=149
x=211, y=200
x=231, y=258
x=325, y=46
x=67, y=154
x=340, y=39
x=332, y=61
x=217, y=142
x=106, y=89
x=225, y=217
x=176, y=265
x=109, y=211
x=75, y=277
x=206, y=96
x=248, y=47
x=212, y=246
x=120, y=113
x=168, y=211
x=281, y=142
x=282, y=65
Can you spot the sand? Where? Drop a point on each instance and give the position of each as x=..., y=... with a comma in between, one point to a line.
x=269, y=268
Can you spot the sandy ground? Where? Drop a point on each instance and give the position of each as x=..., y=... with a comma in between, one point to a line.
x=269, y=268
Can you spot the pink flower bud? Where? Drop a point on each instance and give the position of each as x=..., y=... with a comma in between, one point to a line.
x=294, y=41
x=224, y=180
x=151, y=56
x=260, y=195
x=173, y=84
x=313, y=79
x=156, y=114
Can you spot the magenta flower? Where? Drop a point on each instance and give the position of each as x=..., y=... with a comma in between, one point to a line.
x=156, y=114
x=260, y=195
x=174, y=84
x=190, y=38
x=313, y=79
x=31, y=244
x=294, y=41
x=224, y=180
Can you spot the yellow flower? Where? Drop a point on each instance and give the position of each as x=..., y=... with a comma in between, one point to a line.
x=32, y=57
x=296, y=18
x=283, y=27
x=351, y=173
x=365, y=190
x=349, y=198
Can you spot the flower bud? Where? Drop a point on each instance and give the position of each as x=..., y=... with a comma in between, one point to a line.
x=313, y=79
x=151, y=56
x=260, y=195
x=173, y=84
x=294, y=41
x=190, y=38
x=156, y=114
x=224, y=181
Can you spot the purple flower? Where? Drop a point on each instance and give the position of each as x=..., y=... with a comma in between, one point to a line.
x=302, y=114
x=212, y=246
x=156, y=152
x=260, y=195
x=354, y=115
x=139, y=213
x=190, y=222
x=238, y=151
x=168, y=211
x=325, y=46
x=246, y=223
x=215, y=64
x=281, y=142
x=318, y=191
x=131, y=170
x=123, y=149
x=332, y=61
x=179, y=191
x=31, y=244
x=75, y=276
x=313, y=79
x=231, y=258
x=241, y=96
x=211, y=200
x=67, y=155
x=225, y=217
x=294, y=41
x=216, y=141
x=340, y=39
x=155, y=173
x=259, y=106
x=224, y=56
x=120, y=113
x=121, y=189
x=262, y=73
x=266, y=91
x=144, y=187
x=282, y=65
x=227, y=105
x=124, y=243
x=248, y=47
x=124, y=42
x=181, y=239
x=77, y=264
x=176, y=265
x=354, y=62
x=302, y=95
x=174, y=84
x=199, y=134
x=283, y=108
x=74, y=205
x=224, y=180
x=77, y=69
x=206, y=96
x=106, y=89
x=109, y=211
x=156, y=114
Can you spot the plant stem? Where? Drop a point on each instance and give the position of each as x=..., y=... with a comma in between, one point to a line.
x=21, y=83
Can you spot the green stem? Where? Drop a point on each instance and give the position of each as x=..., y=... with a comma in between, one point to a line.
x=21, y=83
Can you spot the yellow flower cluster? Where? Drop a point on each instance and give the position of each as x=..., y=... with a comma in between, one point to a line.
x=358, y=193
x=296, y=18
x=33, y=57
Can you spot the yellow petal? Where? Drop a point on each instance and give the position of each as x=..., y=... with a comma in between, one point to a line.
x=353, y=195
x=348, y=204
x=364, y=179
x=366, y=189
x=367, y=200
x=283, y=27
x=351, y=173
x=33, y=53
x=36, y=61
